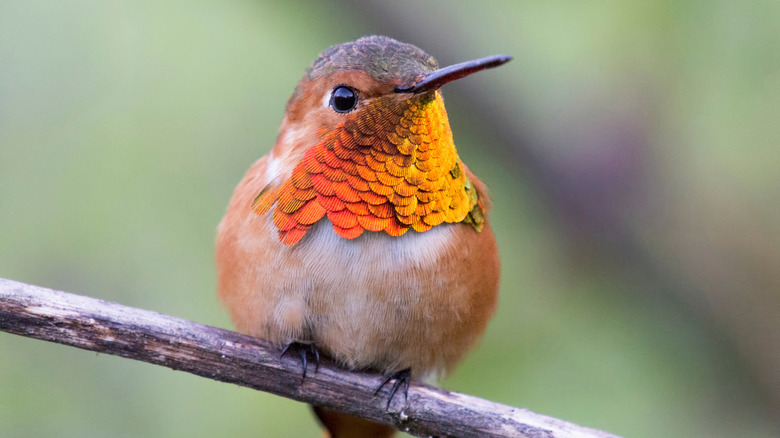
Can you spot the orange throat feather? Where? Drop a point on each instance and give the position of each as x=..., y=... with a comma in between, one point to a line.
x=390, y=166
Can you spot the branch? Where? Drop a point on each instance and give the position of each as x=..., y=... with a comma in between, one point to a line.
x=227, y=356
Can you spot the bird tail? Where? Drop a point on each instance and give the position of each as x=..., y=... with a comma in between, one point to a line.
x=347, y=426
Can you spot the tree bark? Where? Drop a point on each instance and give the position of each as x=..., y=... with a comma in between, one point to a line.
x=227, y=356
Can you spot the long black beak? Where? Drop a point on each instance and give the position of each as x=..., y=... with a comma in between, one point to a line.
x=436, y=79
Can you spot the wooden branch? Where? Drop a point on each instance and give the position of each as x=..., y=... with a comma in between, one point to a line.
x=228, y=356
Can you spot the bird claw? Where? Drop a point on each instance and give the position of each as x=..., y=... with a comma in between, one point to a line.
x=402, y=377
x=304, y=350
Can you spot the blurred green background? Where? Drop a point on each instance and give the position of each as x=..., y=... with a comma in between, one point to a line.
x=631, y=149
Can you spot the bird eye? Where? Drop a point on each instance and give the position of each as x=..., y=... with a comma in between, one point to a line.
x=343, y=99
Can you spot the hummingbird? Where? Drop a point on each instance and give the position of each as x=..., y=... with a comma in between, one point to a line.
x=362, y=234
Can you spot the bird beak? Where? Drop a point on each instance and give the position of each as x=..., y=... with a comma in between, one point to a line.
x=436, y=79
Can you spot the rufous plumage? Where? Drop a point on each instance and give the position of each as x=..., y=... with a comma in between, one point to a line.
x=362, y=232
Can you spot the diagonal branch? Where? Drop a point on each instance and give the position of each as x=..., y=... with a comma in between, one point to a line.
x=228, y=356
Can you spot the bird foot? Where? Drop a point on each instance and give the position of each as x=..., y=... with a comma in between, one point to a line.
x=402, y=377
x=303, y=350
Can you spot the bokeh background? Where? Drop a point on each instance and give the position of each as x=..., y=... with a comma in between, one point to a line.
x=631, y=149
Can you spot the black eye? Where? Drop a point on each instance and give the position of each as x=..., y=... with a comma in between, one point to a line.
x=343, y=99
